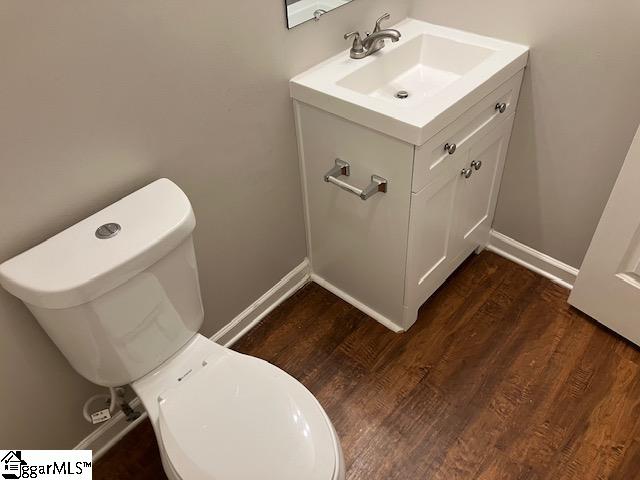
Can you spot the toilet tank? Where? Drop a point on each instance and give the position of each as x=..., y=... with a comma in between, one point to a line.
x=118, y=293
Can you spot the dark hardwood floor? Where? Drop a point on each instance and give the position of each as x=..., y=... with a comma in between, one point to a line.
x=498, y=379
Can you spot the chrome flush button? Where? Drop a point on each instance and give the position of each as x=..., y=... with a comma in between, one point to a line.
x=108, y=230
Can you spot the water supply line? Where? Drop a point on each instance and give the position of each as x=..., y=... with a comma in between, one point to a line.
x=110, y=399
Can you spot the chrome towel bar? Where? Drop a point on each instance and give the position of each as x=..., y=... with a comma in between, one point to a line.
x=342, y=168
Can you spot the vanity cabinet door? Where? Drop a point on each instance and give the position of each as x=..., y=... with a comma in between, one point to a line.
x=430, y=230
x=476, y=195
x=452, y=216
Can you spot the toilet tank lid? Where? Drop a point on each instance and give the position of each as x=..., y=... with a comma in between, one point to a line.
x=76, y=266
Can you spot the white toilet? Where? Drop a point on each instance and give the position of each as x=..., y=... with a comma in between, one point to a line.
x=119, y=295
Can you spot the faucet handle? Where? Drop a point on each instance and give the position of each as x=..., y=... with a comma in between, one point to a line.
x=384, y=17
x=357, y=42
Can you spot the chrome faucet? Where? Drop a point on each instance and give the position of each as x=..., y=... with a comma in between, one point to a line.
x=373, y=42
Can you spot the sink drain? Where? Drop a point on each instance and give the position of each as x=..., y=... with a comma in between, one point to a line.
x=402, y=95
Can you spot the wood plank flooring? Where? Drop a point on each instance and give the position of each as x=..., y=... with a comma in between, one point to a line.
x=499, y=379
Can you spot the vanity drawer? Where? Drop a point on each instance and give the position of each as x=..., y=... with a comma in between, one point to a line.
x=432, y=157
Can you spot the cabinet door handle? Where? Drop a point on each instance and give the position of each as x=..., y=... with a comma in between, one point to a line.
x=477, y=164
x=466, y=172
x=501, y=107
x=450, y=148
x=342, y=168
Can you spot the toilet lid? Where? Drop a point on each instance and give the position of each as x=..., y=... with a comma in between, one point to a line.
x=240, y=418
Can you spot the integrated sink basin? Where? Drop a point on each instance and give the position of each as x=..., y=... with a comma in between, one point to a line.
x=415, y=87
x=422, y=67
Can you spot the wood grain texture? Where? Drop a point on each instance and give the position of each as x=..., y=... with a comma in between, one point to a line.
x=499, y=379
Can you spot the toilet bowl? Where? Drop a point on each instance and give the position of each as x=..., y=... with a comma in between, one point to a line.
x=218, y=414
x=119, y=294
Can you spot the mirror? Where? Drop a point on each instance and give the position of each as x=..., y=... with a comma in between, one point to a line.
x=300, y=11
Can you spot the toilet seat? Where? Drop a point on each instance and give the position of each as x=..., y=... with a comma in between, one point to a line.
x=241, y=418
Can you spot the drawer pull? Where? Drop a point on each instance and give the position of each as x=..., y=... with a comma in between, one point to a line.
x=477, y=164
x=466, y=172
x=501, y=107
x=342, y=168
x=450, y=148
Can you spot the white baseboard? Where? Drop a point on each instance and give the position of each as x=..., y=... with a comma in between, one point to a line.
x=109, y=433
x=251, y=316
x=555, y=270
x=356, y=303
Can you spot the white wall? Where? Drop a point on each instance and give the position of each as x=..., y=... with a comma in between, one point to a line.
x=99, y=97
x=579, y=110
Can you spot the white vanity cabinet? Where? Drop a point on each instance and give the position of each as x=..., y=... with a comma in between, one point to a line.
x=388, y=254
